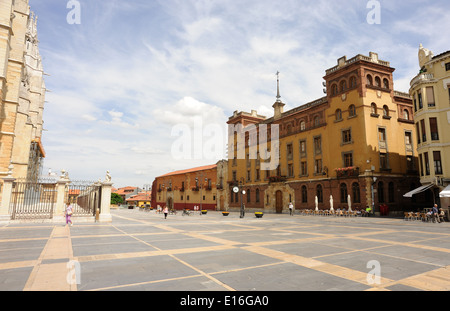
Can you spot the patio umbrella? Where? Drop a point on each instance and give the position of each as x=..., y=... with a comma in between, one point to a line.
x=349, y=200
x=317, y=203
x=331, y=203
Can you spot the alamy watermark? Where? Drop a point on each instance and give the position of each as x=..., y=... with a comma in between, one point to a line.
x=374, y=15
x=374, y=275
x=74, y=275
x=74, y=15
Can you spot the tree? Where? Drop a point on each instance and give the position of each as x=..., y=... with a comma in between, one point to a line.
x=116, y=199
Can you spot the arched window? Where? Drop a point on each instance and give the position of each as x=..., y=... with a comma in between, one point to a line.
x=344, y=193
x=352, y=82
x=406, y=114
x=304, y=194
x=373, y=108
x=343, y=86
x=385, y=111
x=319, y=193
x=369, y=80
x=334, y=89
x=248, y=195
x=386, y=83
x=380, y=192
x=257, y=195
x=356, y=193
x=338, y=114
x=377, y=82
x=316, y=121
x=302, y=125
x=352, y=110
x=391, y=193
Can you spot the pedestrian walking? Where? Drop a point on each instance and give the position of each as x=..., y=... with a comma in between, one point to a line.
x=166, y=211
x=435, y=213
x=291, y=209
x=69, y=212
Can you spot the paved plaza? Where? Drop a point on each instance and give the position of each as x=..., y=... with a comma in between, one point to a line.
x=141, y=250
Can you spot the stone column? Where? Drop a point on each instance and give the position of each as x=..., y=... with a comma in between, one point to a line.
x=6, y=198
x=105, y=207
x=58, y=212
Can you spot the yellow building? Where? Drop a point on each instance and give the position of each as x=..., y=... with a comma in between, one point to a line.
x=430, y=91
x=358, y=140
x=22, y=92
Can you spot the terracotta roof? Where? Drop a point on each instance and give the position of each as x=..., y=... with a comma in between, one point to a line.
x=124, y=190
x=140, y=197
x=191, y=170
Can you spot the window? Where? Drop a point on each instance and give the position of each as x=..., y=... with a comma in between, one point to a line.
x=258, y=174
x=373, y=109
x=248, y=195
x=419, y=96
x=391, y=192
x=386, y=83
x=289, y=151
x=408, y=141
x=356, y=193
x=447, y=66
x=317, y=145
x=369, y=80
x=304, y=194
x=352, y=110
x=424, y=133
x=347, y=136
x=319, y=193
x=434, y=129
x=291, y=170
x=257, y=195
x=343, y=85
x=427, y=164
x=430, y=96
x=383, y=161
x=437, y=162
x=382, y=138
x=343, y=189
x=338, y=114
x=377, y=82
x=318, y=166
x=303, y=168
x=316, y=121
x=352, y=82
x=249, y=175
x=302, y=125
x=406, y=114
x=418, y=133
x=348, y=159
x=334, y=89
x=385, y=111
x=421, y=164
x=415, y=103
x=303, y=149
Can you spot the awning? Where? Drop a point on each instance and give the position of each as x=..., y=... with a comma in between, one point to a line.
x=418, y=190
x=445, y=193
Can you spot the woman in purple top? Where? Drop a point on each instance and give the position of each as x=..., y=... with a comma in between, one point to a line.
x=69, y=211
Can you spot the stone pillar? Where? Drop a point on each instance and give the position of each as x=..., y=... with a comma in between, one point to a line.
x=58, y=212
x=105, y=207
x=6, y=198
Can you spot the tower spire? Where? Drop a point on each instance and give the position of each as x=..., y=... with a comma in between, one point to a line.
x=278, y=87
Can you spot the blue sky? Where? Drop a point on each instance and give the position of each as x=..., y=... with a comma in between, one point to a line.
x=131, y=71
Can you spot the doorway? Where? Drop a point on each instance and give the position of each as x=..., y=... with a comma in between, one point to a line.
x=279, y=202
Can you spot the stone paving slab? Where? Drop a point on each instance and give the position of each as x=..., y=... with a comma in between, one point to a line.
x=143, y=251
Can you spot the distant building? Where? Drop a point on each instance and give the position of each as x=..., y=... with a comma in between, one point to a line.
x=358, y=140
x=140, y=199
x=126, y=192
x=430, y=91
x=186, y=189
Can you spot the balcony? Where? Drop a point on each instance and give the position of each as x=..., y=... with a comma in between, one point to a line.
x=422, y=78
x=347, y=172
x=277, y=179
